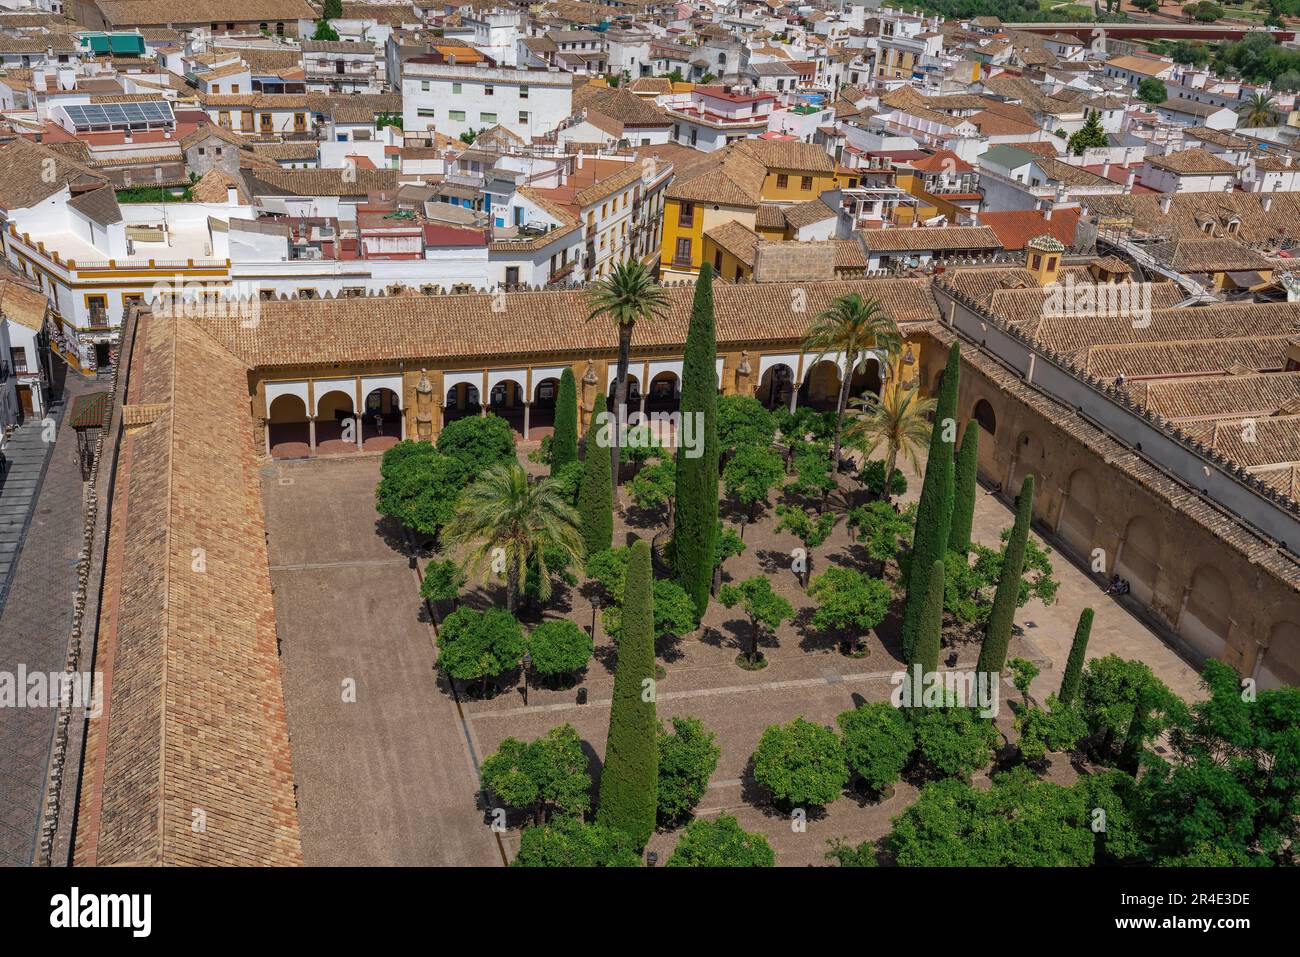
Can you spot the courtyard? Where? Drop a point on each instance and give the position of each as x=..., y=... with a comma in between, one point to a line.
x=390, y=776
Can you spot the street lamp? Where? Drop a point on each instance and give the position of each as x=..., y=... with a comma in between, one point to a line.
x=528, y=663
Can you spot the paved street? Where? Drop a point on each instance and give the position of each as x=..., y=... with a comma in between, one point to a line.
x=36, y=618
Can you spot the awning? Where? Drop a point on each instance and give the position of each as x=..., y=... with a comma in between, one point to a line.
x=88, y=410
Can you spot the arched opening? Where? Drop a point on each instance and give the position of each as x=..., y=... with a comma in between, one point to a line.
x=866, y=378
x=987, y=457
x=1279, y=663
x=1206, y=616
x=287, y=428
x=1138, y=561
x=821, y=386
x=462, y=400
x=336, y=424
x=776, y=386
x=507, y=400
x=664, y=393
x=1077, y=525
x=545, y=394
x=1027, y=459
x=633, y=394
x=382, y=420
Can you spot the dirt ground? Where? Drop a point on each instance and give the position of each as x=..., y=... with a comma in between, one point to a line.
x=392, y=777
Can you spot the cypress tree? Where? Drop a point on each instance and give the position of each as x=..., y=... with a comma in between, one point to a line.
x=628, y=783
x=928, y=638
x=997, y=635
x=964, y=487
x=695, y=522
x=595, y=494
x=934, y=511
x=564, y=443
x=1074, y=666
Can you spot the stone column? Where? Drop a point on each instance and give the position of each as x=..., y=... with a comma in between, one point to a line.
x=423, y=409
x=266, y=432
x=528, y=408
x=359, y=418
x=311, y=433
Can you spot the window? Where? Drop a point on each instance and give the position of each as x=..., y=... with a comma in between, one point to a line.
x=97, y=306
x=266, y=124
x=523, y=116
x=427, y=113
x=1035, y=261
x=18, y=356
x=805, y=183
x=234, y=88
x=308, y=293
x=490, y=118
x=488, y=89
x=216, y=87
x=456, y=115
x=223, y=118
x=683, y=253
x=782, y=180
x=1051, y=263
x=201, y=151
x=455, y=88
x=424, y=86
x=299, y=122
x=717, y=262
x=604, y=210
x=512, y=275
x=523, y=93
x=686, y=215
x=625, y=200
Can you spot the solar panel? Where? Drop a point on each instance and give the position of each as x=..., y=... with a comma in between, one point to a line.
x=84, y=115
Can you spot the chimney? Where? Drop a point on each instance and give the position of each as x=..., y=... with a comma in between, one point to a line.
x=1047, y=213
x=1130, y=180
x=1165, y=202
x=1267, y=203
x=1105, y=170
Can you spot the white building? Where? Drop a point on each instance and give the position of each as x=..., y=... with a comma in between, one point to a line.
x=454, y=99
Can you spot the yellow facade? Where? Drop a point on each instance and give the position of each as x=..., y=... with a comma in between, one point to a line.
x=795, y=186
x=725, y=265
x=703, y=217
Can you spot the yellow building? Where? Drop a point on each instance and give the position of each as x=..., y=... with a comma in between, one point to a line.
x=737, y=187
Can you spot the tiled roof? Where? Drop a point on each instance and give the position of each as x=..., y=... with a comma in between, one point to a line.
x=924, y=238
x=213, y=185
x=441, y=329
x=806, y=214
x=1209, y=255
x=1193, y=357
x=25, y=182
x=1015, y=228
x=737, y=239
x=128, y=13
x=320, y=182
x=1194, y=161
x=193, y=717
x=98, y=205
x=787, y=154
x=1236, y=396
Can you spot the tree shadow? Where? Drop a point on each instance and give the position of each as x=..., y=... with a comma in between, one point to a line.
x=772, y=560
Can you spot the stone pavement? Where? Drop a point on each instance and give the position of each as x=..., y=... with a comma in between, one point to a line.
x=36, y=614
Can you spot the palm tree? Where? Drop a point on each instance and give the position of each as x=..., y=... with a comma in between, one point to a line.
x=505, y=518
x=852, y=326
x=627, y=295
x=1259, y=110
x=899, y=421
